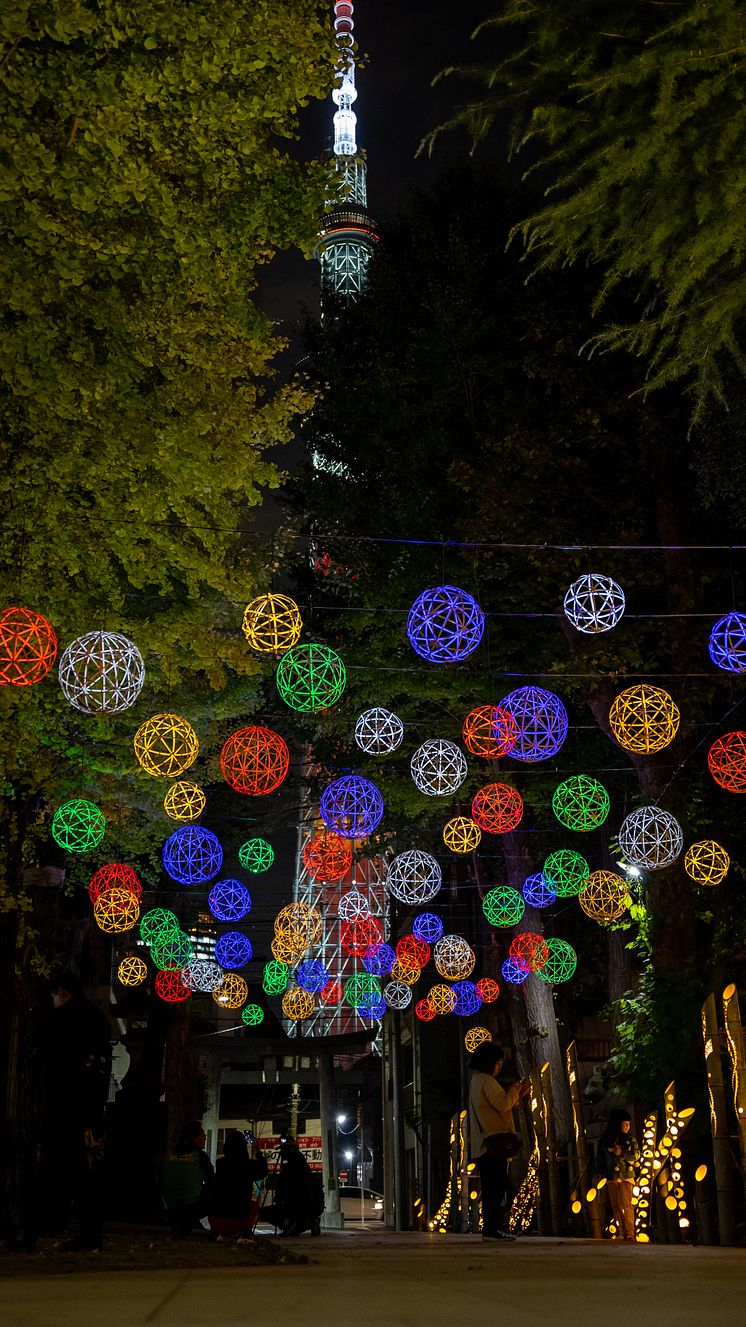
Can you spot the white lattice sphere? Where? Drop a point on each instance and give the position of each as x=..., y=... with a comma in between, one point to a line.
x=438, y=767
x=102, y=673
x=202, y=974
x=594, y=603
x=651, y=838
x=353, y=906
x=379, y=731
x=397, y=994
x=414, y=877
x=454, y=957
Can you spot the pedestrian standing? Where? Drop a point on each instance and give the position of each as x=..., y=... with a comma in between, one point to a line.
x=493, y=1137
x=618, y=1153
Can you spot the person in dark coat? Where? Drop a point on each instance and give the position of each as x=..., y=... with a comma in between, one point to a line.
x=234, y=1209
x=299, y=1198
x=77, y=1065
x=187, y=1180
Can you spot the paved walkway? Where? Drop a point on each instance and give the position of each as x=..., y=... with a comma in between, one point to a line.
x=408, y=1280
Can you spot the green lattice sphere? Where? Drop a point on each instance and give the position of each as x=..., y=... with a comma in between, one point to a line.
x=567, y=872
x=503, y=906
x=256, y=855
x=561, y=964
x=581, y=803
x=252, y=1015
x=275, y=977
x=78, y=826
x=157, y=924
x=356, y=988
x=172, y=951
x=310, y=677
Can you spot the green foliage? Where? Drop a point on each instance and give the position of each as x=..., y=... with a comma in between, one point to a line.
x=147, y=176
x=635, y=120
x=656, y=1038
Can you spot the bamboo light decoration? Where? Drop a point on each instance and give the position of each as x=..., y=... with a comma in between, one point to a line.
x=642, y=1192
x=184, y=801
x=593, y=1214
x=475, y=1036
x=734, y=1040
x=166, y=745
x=604, y=897
x=718, y=1122
x=706, y=862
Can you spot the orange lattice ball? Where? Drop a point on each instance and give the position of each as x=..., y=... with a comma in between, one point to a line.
x=726, y=761
x=184, y=801
x=462, y=834
x=297, y=1003
x=232, y=992
x=442, y=999
x=706, y=862
x=358, y=936
x=529, y=948
x=28, y=647
x=489, y=731
x=327, y=856
x=475, y=1037
x=272, y=623
x=114, y=873
x=116, y=910
x=408, y=973
x=255, y=760
x=488, y=989
x=604, y=897
x=425, y=1011
x=497, y=808
x=166, y=745
x=299, y=926
x=284, y=952
x=132, y=970
x=170, y=987
x=644, y=719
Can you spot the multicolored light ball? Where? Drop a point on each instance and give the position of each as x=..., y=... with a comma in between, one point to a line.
x=201, y=974
x=412, y=952
x=461, y=834
x=255, y=761
x=727, y=643
x=132, y=970
x=272, y=623
x=581, y=803
x=379, y=731
x=256, y=855
x=445, y=624
x=438, y=767
x=651, y=838
x=594, y=603
x=503, y=906
x=332, y=993
x=561, y=962
x=414, y=877
x=114, y=875
x=403, y=972
x=351, y=807
x=102, y=673
x=299, y=925
x=454, y=958
x=116, y=910
x=566, y=872
x=442, y=999
x=310, y=678
x=78, y=825
x=28, y=647
x=184, y=801
x=644, y=719
x=489, y=731
x=192, y=855
x=726, y=761
x=706, y=862
x=166, y=745
x=541, y=722
x=497, y=808
x=229, y=901
x=604, y=897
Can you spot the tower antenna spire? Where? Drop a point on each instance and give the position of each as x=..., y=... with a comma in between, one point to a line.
x=346, y=231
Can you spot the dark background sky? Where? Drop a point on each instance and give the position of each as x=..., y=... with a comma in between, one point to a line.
x=402, y=47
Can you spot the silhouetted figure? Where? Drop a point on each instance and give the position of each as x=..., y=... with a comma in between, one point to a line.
x=234, y=1209
x=299, y=1197
x=187, y=1179
x=618, y=1153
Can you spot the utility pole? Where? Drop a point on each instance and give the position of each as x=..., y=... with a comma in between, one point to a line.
x=332, y=1218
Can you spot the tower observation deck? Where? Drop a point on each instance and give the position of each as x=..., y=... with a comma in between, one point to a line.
x=346, y=231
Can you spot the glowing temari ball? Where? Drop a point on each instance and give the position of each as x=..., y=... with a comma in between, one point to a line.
x=445, y=624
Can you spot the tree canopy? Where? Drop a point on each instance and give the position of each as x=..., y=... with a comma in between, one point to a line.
x=633, y=119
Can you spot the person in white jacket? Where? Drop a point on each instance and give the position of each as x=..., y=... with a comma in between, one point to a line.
x=490, y=1113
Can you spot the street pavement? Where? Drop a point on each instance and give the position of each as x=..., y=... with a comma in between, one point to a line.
x=366, y=1279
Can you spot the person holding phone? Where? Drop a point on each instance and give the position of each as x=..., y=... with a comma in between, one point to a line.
x=493, y=1138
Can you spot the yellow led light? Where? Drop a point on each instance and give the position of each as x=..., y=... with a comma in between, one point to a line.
x=577, y=1207
x=700, y=1173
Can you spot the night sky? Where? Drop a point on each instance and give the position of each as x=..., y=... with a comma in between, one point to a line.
x=403, y=46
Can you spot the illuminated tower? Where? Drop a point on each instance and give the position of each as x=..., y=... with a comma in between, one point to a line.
x=346, y=234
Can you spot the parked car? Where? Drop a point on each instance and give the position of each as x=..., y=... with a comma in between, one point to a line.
x=350, y=1204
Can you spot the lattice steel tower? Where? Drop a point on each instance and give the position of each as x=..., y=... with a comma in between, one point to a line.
x=346, y=232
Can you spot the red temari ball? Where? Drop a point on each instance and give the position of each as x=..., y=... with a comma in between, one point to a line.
x=497, y=808
x=116, y=873
x=28, y=647
x=726, y=761
x=255, y=760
